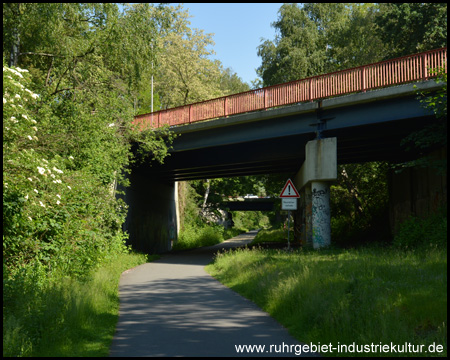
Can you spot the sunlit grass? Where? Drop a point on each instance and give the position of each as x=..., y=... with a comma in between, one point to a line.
x=372, y=295
x=273, y=235
x=194, y=237
x=68, y=317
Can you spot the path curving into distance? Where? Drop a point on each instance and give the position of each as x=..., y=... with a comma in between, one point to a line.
x=172, y=307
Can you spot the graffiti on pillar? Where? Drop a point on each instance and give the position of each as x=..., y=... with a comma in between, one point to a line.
x=321, y=216
x=308, y=214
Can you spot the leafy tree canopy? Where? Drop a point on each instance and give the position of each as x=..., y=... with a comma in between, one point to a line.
x=317, y=38
x=408, y=28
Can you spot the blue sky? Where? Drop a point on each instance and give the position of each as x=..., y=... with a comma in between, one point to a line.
x=238, y=29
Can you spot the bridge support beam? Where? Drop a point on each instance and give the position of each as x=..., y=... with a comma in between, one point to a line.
x=152, y=214
x=318, y=170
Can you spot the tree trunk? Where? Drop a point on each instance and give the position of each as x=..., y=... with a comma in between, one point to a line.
x=205, y=200
x=14, y=55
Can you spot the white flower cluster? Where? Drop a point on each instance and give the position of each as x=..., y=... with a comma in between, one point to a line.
x=18, y=123
x=19, y=94
x=44, y=170
x=17, y=72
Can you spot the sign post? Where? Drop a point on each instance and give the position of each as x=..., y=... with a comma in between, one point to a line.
x=289, y=196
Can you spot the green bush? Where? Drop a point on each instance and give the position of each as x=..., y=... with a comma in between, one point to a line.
x=61, y=219
x=59, y=209
x=193, y=236
x=250, y=220
x=419, y=233
x=274, y=235
x=232, y=232
x=64, y=316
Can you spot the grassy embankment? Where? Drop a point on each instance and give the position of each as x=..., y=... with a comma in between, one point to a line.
x=67, y=317
x=378, y=295
x=194, y=236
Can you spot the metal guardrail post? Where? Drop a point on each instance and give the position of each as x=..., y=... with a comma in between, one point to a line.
x=424, y=66
x=363, y=79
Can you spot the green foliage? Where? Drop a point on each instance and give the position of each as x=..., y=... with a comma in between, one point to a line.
x=231, y=83
x=193, y=236
x=249, y=220
x=67, y=141
x=185, y=61
x=58, y=210
x=209, y=195
x=434, y=135
x=423, y=233
x=359, y=203
x=316, y=38
x=437, y=101
x=153, y=144
x=271, y=235
x=66, y=144
x=198, y=226
x=408, y=28
x=370, y=295
x=65, y=317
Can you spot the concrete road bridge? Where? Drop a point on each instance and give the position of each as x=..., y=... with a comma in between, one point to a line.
x=304, y=128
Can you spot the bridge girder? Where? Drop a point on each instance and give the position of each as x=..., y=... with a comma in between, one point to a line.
x=368, y=127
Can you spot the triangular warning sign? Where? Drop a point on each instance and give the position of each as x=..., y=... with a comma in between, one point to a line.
x=289, y=190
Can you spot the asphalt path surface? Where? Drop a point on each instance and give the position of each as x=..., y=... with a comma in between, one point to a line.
x=172, y=307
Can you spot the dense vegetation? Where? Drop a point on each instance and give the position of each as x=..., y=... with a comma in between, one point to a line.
x=75, y=74
x=317, y=38
x=373, y=294
x=360, y=296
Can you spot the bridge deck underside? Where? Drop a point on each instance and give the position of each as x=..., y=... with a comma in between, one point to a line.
x=365, y=132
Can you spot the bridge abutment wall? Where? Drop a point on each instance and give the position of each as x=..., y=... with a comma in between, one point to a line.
x=417, y=191
x=152, y=221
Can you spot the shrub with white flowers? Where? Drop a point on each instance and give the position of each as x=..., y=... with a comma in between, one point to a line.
x=54, y=215
x=28, y=192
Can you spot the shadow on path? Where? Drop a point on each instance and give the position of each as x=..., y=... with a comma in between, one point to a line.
x=172, y=307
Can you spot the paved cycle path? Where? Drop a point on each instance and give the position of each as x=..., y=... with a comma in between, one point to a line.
x=172, y=307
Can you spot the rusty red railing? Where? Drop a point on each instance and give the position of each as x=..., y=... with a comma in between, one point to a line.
x=396, y=71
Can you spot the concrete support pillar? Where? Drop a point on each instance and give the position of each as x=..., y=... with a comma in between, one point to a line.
x=308, y=217
x=321, y=219
x=313, y=178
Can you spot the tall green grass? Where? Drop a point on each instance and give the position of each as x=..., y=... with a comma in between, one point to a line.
x=197, y=236
x=270, y=236
x=371, y=295
x=63, y=316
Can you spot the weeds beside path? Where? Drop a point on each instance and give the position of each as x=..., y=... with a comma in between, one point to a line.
x=372, y=295
x=66, y=317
